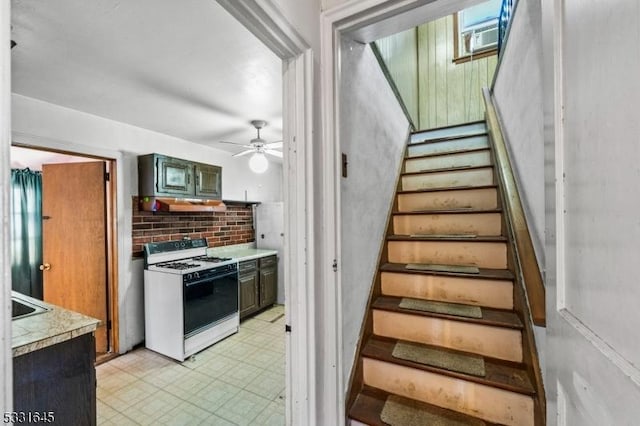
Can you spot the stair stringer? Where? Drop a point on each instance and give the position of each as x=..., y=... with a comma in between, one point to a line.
x=521, y=302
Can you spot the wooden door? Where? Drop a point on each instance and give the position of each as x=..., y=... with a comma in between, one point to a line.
x=74, y=240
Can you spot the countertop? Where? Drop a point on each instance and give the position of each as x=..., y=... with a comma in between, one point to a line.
x=241, y=252
x=56, y=325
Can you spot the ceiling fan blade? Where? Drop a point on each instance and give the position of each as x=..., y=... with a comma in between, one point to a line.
x=277, y=144
x=235, y=143
x=273, y=152
x=240, y=154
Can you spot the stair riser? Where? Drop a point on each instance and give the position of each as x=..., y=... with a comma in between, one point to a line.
x=481, y=198
x=457, y=145
x=453, y=179
x=471, y=291
x=449, y=132
x=482, y=224
x=481, y=254
x=471, y=159
x=497, y=342
x=489, y=403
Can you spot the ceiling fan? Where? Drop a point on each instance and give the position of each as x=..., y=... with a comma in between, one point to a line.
x=258, y=162
x=258, y=145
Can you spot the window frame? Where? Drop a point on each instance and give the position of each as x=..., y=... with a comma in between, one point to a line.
x=460, y=59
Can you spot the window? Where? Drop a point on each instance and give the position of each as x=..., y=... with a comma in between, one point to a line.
x=476, y=31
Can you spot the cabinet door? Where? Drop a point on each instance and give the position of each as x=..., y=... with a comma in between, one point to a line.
x=175, y=176
x=268, y=286
x=208, y=181
x=248, y=293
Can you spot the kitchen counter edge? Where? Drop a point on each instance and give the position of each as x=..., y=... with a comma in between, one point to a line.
x=54, y=326
x=242, y=254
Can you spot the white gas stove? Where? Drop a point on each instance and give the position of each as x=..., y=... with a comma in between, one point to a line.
x=191, y=299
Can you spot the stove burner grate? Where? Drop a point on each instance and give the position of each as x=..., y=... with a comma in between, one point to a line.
x=213, y=259
x=177, y=265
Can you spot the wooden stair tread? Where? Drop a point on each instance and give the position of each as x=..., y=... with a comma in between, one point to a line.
x=446, y=211
x=444, y=188
x=447, y=169
x=370, y=402
x=450, y=138
x=448, y=126
x=500, y=374
x=443, y=153
x=476, y=239
x=490, y=317
x=485, y=273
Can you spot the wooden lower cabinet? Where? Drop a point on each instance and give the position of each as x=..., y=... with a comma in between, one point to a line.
x=249, y=294
x=268, y=286
x=258, y=280
x=58, y=381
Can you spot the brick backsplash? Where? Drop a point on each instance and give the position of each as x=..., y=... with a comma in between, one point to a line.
x=235, y=226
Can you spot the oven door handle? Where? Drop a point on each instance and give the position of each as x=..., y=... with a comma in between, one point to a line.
x=215, y=277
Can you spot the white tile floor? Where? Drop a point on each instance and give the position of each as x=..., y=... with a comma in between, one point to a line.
x=239, y=381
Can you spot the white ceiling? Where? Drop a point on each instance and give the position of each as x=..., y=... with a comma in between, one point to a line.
x=183, y=68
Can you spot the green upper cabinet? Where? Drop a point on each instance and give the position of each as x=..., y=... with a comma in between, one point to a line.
x=208, y=183
x=175, y=176
x=162, y=176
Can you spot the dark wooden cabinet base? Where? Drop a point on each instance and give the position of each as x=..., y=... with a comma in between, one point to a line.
x=258, y=284
x=59, y=379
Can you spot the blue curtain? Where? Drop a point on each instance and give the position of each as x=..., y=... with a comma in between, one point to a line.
x=26, y=232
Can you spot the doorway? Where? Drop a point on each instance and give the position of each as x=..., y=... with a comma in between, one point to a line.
x=75, y=262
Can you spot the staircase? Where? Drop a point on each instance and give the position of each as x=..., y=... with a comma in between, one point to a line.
x=444, y=340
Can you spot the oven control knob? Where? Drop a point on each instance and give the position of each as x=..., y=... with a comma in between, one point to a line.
x=189, y=276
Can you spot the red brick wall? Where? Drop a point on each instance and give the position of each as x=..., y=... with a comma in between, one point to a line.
x=235, y=226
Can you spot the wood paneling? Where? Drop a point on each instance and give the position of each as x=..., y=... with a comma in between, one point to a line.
x=449, y=93
x=399, y=53
x=436, y=91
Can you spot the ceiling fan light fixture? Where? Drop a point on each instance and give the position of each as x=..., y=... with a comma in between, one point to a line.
x=258, y=163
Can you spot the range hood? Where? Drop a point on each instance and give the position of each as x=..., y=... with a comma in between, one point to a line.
x=163, y=204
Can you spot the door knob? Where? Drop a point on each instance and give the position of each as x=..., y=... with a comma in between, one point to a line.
x=45, y=267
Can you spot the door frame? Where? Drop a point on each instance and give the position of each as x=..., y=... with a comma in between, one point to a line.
x=363, y=21
x=6, y=364
x=264, y=20
x=23, y=140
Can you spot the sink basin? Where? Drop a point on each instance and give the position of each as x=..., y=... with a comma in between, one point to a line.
x=21, y=308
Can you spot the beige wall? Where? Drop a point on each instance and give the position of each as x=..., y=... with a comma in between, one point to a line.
x=436, y=91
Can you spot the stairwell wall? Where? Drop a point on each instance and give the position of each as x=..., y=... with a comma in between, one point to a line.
x=373, y=130
x=518, y=99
